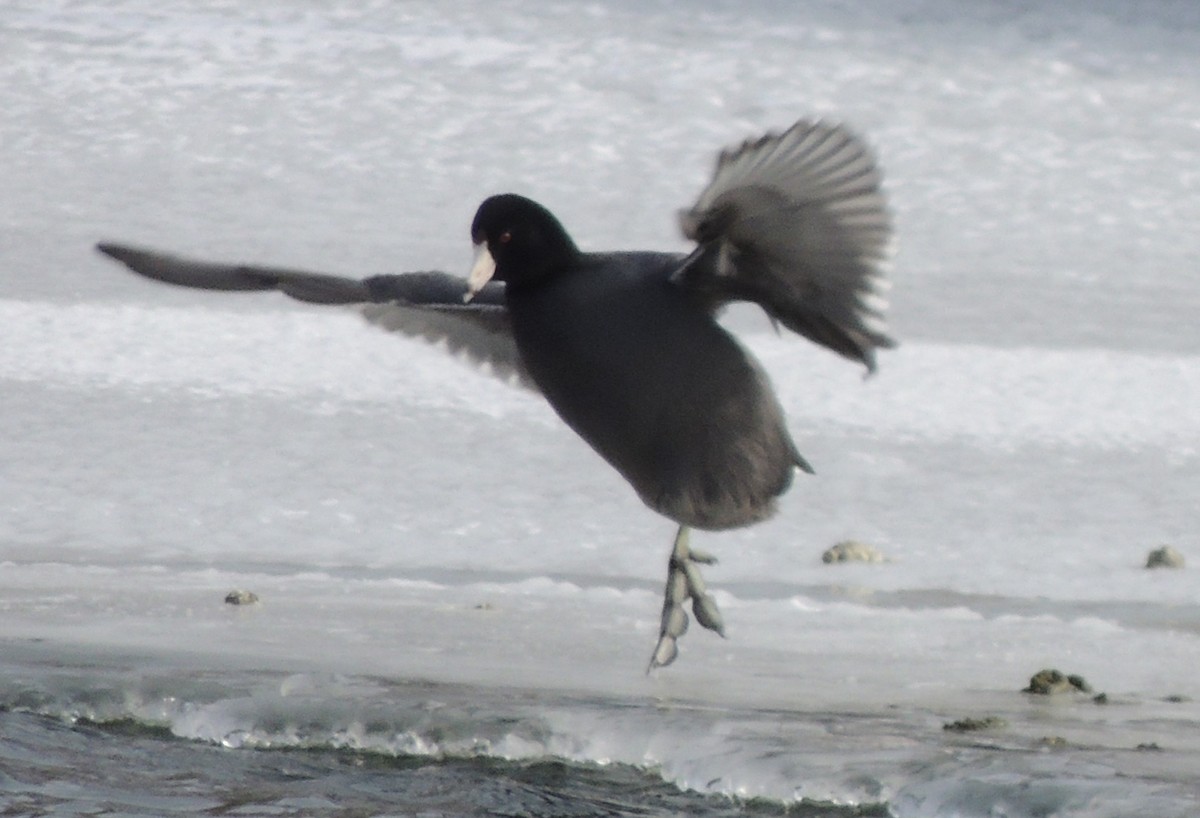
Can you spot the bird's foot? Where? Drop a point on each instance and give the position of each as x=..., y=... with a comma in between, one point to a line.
x=684, y=582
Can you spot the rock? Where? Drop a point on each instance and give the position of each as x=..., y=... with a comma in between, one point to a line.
x=973, y=725
x=1048, y=682
x=1076, y=681
x=852, y=551
x=1164, y=557
x=1052, y=742
x=1152, y=746
x=236, y=597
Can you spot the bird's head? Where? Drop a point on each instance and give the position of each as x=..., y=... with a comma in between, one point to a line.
x=520, y=243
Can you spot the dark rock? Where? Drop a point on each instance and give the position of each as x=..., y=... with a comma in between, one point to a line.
x=1079, y=684
x=1049, y=682
x=973, y=725
x=1164, y=557
x=237, y=597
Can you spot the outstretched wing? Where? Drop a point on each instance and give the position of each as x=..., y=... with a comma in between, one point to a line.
x=796, y=222
x=427, y=305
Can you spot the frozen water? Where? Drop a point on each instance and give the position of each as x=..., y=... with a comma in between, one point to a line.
x=429, y=540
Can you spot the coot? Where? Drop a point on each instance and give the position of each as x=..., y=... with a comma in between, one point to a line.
x=626, y=346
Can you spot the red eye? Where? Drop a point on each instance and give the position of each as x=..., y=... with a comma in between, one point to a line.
x=505, y=237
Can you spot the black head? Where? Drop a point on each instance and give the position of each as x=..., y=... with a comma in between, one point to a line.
x=520, y=242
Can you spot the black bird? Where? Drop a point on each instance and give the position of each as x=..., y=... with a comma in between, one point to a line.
x=626, y=345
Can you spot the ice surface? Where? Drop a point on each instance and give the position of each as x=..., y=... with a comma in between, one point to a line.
x=426, y=539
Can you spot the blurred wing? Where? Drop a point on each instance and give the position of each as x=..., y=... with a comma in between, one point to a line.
x=479, y=331
x=426, y=305
x=797, y=223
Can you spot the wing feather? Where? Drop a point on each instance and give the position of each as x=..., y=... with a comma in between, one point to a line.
x=425, y=305
x=797, y=222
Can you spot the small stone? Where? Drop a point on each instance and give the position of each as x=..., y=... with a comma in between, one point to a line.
x=1149, y=745
x=1164, y=557
x=1053, y=742
x=1176, y=698
x=1049, y=682
x=974, y=725
x=237, y=597
x=852, y=551
x=1076, y=681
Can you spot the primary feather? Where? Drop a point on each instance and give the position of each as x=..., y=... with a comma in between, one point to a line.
x=796, y=222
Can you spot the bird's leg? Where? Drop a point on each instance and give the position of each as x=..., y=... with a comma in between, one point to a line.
x=684, y=581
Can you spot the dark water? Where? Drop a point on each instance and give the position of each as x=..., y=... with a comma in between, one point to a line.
x=51, y=767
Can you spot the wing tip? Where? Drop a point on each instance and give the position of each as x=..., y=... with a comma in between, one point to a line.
x=866, y=355
x=120, y=252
